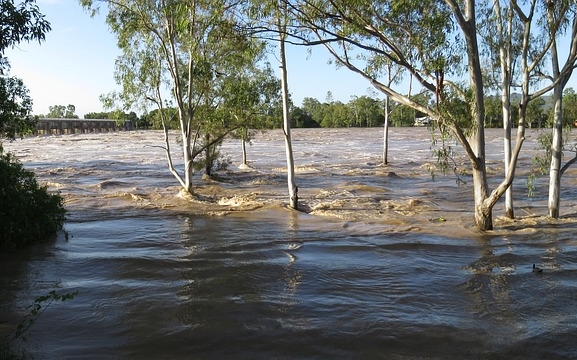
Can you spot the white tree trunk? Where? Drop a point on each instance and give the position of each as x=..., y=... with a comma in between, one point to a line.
x=188, y=168
x=292, y=188
x=483, y=213
x=386, y=133
x=244, y=152
x=556, y=155
x=506, y=63
x=562, y=76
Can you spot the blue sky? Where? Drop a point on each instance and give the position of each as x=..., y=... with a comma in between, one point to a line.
x=75, y=65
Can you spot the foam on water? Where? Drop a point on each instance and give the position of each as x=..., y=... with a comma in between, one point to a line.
x=386, y=264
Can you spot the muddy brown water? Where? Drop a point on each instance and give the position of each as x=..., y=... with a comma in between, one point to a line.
x=384, y=264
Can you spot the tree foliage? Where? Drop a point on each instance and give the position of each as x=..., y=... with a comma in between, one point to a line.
x=21, y=22
x=18, y=22
x=15, y=108
x=62, y=112
x=180, y=54
x=28, y=212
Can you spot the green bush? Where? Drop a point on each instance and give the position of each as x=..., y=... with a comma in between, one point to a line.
x=28, y=213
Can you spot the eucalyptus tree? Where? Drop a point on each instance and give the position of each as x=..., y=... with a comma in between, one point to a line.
x=417, y=37
x=519, y=37
x=251, y=97
x=313, y=107
x=393, y=74
x=437, y=44
x=569, y=107
x=367, y=112
x=378, y=66
x=176, y=54
x=282, y=20
x=62, y=112
x=560, y=14
x=270, y=20
x=501, y=39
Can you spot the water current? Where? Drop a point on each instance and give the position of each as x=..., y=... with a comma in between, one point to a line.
x=385, y=263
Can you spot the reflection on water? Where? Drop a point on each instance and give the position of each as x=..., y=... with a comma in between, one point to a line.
x=284, y=285
x=367, y=274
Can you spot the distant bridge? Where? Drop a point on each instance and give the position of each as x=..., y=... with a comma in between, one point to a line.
x=49, y=126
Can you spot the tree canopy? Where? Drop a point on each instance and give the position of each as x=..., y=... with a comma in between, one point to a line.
x=180, y=55
x=62, y=112
x=28, y=213
x=18, y=22
x=21, y=22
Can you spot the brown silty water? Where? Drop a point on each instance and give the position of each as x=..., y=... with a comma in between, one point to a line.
x=384, y=263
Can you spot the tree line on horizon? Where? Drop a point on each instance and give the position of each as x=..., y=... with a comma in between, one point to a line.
x=362, y=111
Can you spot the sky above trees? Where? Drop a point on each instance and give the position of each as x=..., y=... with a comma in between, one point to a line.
x=76, y=64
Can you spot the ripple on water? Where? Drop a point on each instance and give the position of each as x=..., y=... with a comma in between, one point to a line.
x=279, y=284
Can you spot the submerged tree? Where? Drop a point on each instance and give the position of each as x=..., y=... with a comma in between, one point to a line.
x=176, y=54
x=433, y=35
x=281, y=23
x=559, y=14
x=270, y=20
x=499, y=39
x=252, y=97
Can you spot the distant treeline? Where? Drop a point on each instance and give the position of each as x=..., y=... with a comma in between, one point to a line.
x=365, y=111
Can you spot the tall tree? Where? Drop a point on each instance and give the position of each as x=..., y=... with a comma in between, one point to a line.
x=176, y=54
x=28, y=213
x=18, y=22
x=433, y=34
x=281, y=23
x=499, y=37
x=394, y=76
x=251, y=97
x=270, y=20
x=559, y=14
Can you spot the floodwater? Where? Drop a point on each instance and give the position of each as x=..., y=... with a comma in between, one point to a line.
x=385, y=263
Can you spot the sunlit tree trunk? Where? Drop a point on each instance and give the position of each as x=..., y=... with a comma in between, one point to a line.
x=386, y=132
x=562, y=76
x=292, y=188
x=556, y=155
x=557, y=138
x=390, y=80
x=506, y=64
x=483, y=213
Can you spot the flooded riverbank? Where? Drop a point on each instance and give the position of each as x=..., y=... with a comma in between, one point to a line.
x=386, y=264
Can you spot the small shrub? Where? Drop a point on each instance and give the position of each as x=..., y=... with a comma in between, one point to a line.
x=28, y=213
